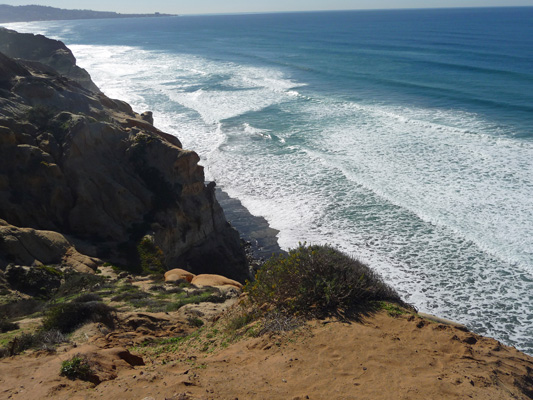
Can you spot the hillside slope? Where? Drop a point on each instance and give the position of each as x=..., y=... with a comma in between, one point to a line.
x=44, y=13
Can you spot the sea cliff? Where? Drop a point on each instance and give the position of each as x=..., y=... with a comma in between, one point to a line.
x=82, y=174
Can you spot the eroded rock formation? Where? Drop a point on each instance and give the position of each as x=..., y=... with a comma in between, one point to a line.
x=52, y=53
x=82, y=165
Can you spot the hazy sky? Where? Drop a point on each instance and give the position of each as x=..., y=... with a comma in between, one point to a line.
x=236, y=6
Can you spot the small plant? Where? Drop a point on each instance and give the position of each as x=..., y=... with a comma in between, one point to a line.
x=129, y=296
x=275, y=321
x=240, y=321
x=195, y=321
x=41, y=116
x=210, y=295
x=157, y=288
x=77, y=367
x=51, y=270
x=151, y=257
x=392, y=309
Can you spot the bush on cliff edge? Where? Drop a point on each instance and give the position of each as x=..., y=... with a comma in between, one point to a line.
x=316, y=281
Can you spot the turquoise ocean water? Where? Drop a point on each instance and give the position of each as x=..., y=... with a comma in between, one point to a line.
x=403, y=137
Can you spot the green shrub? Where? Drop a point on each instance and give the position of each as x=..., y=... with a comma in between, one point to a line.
x=195, y=322
x=51, y=270
x=68, y=317
x=317, y=281
x=240, y=321
x=151, y=257
x=207, y=295
x=157, y=288
x=6, y=326
x=77, y=367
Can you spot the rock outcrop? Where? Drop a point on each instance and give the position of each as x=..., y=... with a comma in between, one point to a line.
x=75, y=162
x=32, y=247
x=52, y=53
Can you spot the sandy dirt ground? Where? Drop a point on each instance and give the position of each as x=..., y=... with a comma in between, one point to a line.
x=381, y=357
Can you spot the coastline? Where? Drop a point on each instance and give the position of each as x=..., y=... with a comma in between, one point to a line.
x=253, y=229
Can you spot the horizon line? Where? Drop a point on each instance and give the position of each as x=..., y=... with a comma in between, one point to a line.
x=279, y=11
x=347, y=9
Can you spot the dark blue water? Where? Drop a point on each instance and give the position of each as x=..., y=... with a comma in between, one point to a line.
x=403, y=137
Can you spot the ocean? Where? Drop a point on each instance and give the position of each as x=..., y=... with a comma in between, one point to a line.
x=403, y=137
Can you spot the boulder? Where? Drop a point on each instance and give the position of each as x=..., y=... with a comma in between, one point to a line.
x=148, y=117
x=214, y=280
x=30, y=247
x=177, y=274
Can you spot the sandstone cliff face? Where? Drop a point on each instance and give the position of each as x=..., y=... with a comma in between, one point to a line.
x=75, y=162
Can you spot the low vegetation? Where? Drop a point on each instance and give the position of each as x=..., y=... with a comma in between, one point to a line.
x=62, y=312
x=86, y=298
x=6, y=326
x=42, y=339
x=317, y=281
x=69, y=316
x=77, y=367
x=307, y=282
x=151, y=257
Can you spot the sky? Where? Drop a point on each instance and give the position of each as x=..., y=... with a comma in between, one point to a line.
x=243, y=6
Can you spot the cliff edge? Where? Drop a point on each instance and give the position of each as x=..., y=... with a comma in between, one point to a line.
x=83, y=170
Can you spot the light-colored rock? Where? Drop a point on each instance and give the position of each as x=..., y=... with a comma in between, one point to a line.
x=177, y=274
x=214, y=280
x=31, y=247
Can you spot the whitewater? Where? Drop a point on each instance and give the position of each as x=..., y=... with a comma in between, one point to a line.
x=429, y=180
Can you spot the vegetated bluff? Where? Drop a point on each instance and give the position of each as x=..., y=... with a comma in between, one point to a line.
x=44, y=13
x=84, y=179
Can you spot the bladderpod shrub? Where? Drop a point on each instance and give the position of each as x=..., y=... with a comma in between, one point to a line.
x=316, y=281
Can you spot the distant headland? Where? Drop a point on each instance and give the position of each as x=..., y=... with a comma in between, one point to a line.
x=44, y=13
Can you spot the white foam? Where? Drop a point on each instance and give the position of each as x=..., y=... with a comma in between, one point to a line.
x=476, y=184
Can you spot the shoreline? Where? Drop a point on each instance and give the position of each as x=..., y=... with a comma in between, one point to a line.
x=253, y=229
